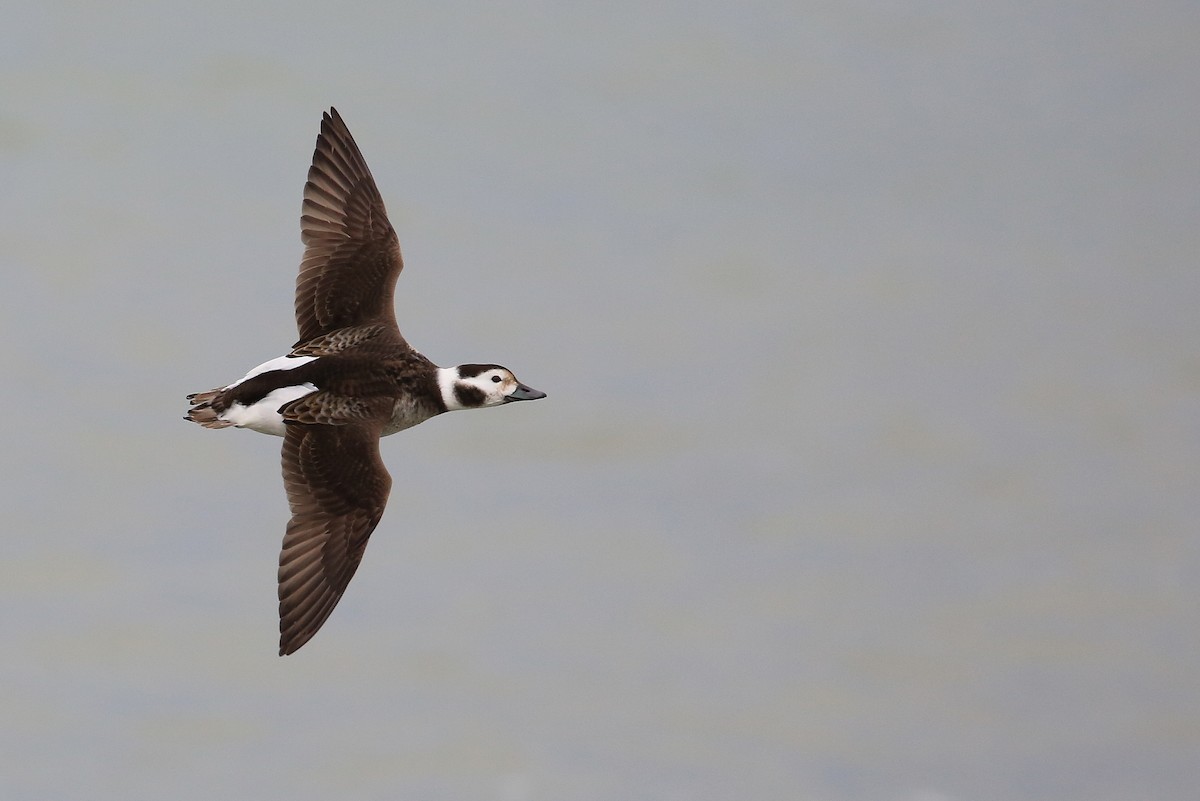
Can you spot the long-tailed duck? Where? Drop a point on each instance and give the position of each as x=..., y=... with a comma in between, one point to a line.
x=350, y=379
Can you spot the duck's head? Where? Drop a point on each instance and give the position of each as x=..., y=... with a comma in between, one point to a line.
x=477, y=386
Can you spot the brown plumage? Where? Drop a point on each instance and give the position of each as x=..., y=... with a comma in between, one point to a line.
x=337, y=487
x=337, y=484
x=352, y=254
x=350, y=378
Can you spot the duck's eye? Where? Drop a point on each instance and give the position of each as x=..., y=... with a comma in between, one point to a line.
x=495, y=379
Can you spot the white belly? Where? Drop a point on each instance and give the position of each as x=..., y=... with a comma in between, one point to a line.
x=264, y=416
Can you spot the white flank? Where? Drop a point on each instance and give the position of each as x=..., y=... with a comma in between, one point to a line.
x=280, y=363
x=264, y=415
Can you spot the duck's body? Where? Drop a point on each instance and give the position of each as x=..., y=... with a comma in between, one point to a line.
x=349, y=380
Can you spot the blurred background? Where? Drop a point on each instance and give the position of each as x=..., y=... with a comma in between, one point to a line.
x=869, y=466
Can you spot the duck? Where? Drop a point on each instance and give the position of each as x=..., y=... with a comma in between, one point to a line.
x=350, y=379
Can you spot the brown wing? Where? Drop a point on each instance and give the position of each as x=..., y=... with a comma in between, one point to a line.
x=337, y=487
x=351, y=256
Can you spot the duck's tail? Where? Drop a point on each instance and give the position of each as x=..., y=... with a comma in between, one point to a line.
x=202, y=410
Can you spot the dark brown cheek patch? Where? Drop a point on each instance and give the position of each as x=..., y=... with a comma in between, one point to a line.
x=468, y=395
x=472, y=370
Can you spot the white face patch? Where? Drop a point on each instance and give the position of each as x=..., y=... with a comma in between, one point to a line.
x=280, y=363
x=491, y=385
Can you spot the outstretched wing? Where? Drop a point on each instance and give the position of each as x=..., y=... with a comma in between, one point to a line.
x=352, y=255
x=337, y=487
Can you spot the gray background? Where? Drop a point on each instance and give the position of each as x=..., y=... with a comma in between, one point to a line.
x=869, y=464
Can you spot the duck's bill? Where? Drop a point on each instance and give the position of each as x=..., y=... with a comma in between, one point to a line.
x=523, y=392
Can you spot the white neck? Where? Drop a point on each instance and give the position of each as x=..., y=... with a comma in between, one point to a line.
x=446, y=378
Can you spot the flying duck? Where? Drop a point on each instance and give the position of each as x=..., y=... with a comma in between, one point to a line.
x=350, y=379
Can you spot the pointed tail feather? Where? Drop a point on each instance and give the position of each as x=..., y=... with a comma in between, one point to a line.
x=202, y=411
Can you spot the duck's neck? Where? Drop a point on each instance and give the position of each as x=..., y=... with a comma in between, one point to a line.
x=447, y=379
